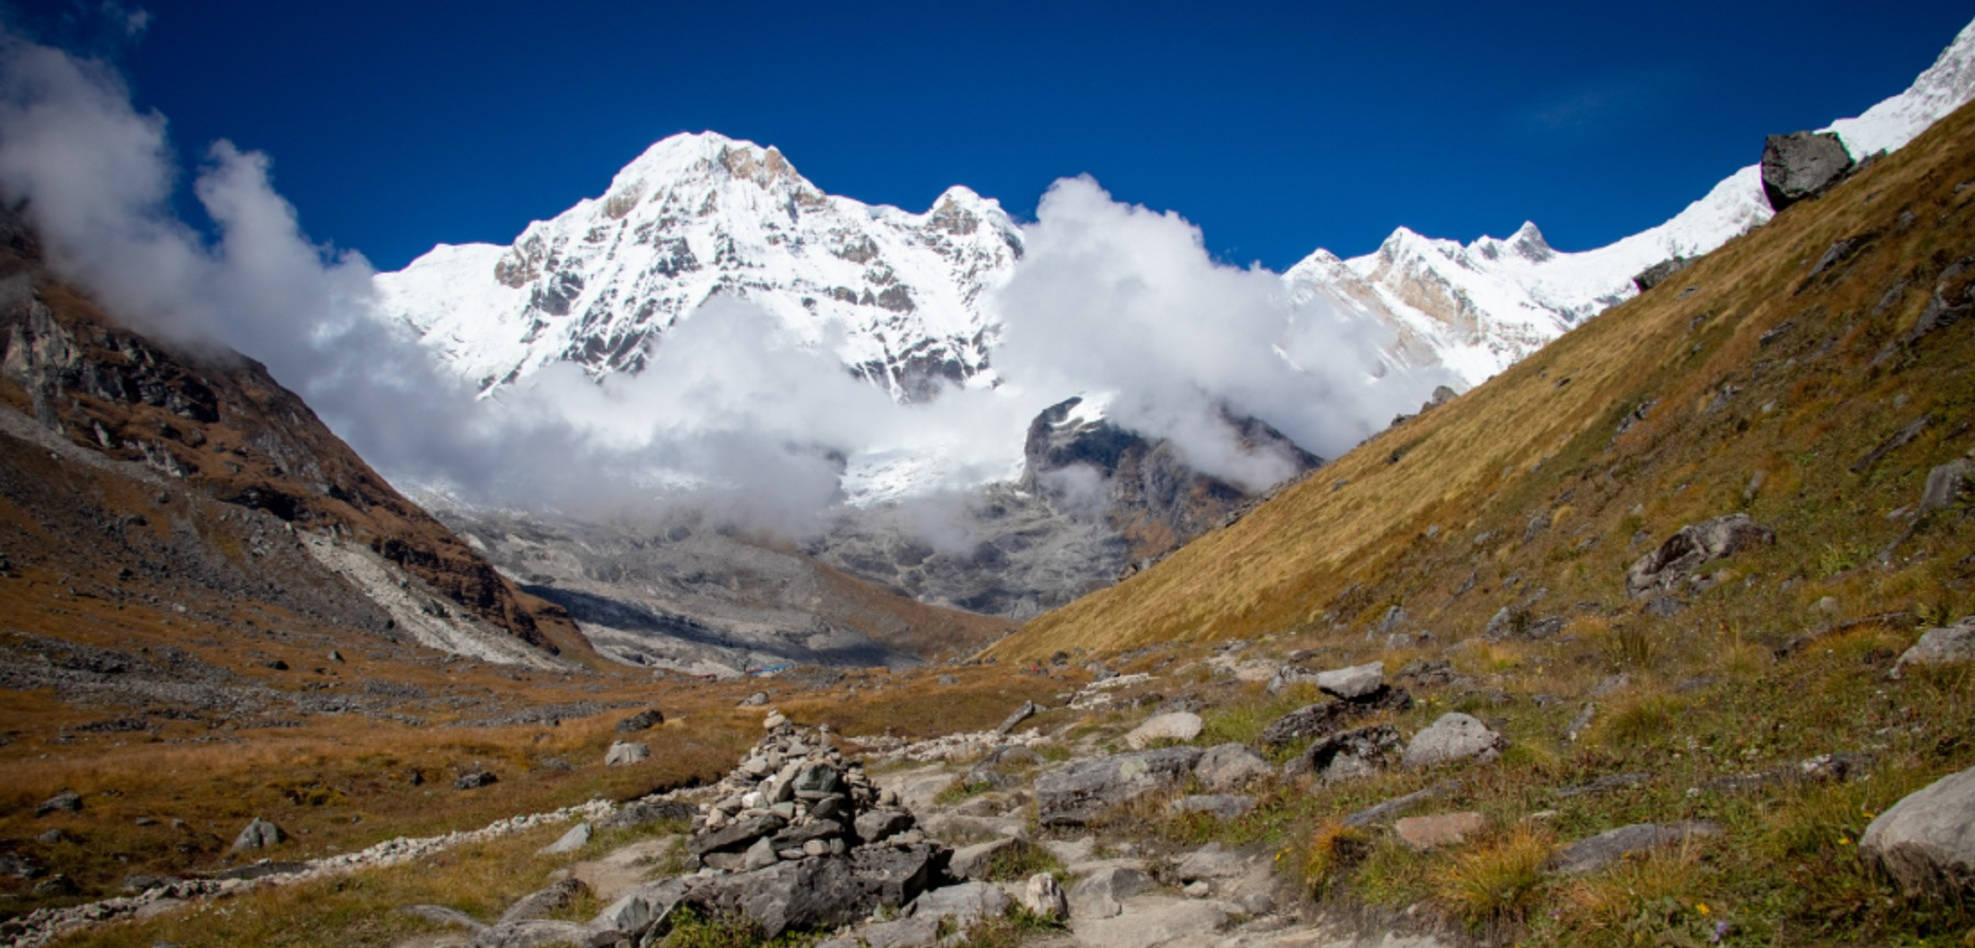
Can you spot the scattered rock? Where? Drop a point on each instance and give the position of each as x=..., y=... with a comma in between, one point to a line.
x=642, y=721
x=1373, y=815
x=1356, y=753
x=1926, y=842
x=1597, y=852
x=973, y=862
x=1441, y=829
x=1221, y=806
x=643, y=812
x=1023, y=713
x=1454, y=736
x=1657, y=273
x=625, y=753
x=68, y=801
x=1355, y=682
x=1172, y=726
x=755, y=700
x=544, y=902
x=1801, y=165
x=1073, y=794
x=1691, y=546
x=1102, y=892
x=258, y=834
x=577, y=838
x=1947, y=484
x=1948, y=645
x=55, y=837
x=1581, y=724
x=1321, y=720
x=1044, y=897
x=1227, y=767
x=963, y=904
x=475, y=780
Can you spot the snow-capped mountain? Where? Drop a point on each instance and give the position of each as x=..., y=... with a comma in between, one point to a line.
x=1478, y=308
x=904, y=299
x=897, y=295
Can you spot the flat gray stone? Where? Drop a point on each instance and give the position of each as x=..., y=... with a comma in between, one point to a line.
x=1102, y=893
x=1354, y=682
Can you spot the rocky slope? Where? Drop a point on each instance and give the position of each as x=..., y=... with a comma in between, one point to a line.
x=156, y=426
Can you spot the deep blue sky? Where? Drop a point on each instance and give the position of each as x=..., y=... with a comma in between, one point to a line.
x=1275, y=128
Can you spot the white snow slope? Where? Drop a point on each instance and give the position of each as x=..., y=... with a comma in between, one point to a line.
x=1478, y=308
x=900, y=296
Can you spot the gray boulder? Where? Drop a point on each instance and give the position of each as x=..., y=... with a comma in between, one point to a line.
x=1801, y=165
x=964, y=904
x=258, y=834
x=738, y=835
x=642, y=812
x=878, y=825
x=1102, y=892
x=544, y=902
x=973, y=862
x=577, y=838
x=626, y=753
x=639, y=910
x=1023, y=713
x=1590, y=855
x=1690, y=547
x=68, y=801
x=1075, y=793
x=1355, y=682
x=1926, y=842
x=1946, y=484
x=1171, y=726
x=1227, y=767
x=1949, y=645
x=1657, y=273
x=1454, y=736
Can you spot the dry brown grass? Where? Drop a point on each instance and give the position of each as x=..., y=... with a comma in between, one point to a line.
x=1803, y=407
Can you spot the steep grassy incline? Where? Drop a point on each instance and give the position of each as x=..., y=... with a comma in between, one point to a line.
x=1791, y=375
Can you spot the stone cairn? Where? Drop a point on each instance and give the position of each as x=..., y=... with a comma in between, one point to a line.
x=794, y=795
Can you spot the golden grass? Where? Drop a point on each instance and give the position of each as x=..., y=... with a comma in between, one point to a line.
x=1526, y=442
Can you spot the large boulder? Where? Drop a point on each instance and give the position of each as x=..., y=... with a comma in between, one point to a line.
x=626, y=753
x=1801, y=165
x=1455, y=736
x=1926, y=841
x=1691, y=546
x=1353, y=683
x=1075, y=793
x=1948, y=645
x=1355, y=753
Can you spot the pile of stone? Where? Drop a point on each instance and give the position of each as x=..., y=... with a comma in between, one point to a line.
x=794, y=796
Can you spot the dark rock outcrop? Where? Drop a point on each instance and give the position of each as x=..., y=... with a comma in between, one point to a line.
x=1657, y=273
x=1801, y=165
x=1676, y=559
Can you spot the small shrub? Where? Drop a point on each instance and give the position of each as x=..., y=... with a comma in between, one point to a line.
x=1498, y=881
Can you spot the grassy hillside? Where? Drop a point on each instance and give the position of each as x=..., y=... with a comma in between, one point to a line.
x=1754, y=381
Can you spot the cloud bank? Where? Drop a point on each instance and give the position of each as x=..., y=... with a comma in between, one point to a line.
x=730, y=418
